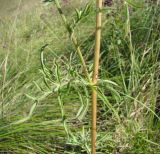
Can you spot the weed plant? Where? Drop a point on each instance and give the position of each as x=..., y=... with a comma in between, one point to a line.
x=45, y=93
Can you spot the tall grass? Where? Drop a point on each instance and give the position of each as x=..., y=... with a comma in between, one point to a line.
x=46, y=95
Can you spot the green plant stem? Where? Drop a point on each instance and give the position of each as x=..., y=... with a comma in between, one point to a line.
x=74, y=40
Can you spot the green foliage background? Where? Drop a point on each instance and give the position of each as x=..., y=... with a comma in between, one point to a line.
x=44, y=94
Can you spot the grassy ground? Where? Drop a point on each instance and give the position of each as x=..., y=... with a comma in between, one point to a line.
x=11, y=8
x=45, y=98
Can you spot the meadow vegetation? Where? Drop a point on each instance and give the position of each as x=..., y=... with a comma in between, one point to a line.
x=45, y=97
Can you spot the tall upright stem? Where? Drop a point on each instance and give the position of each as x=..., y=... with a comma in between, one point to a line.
x=74, y=40
x=95, y=73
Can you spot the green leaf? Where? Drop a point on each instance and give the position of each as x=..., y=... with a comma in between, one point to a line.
x=46, y=1
x=28, y=117
x=135, y=3
x=81, y=14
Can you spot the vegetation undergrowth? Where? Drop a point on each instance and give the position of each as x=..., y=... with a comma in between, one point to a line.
x=45, y=94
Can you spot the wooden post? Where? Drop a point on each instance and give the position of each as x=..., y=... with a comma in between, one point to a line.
x=95, y=73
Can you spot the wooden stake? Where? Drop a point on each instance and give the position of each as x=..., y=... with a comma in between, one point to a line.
x=95, y=73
